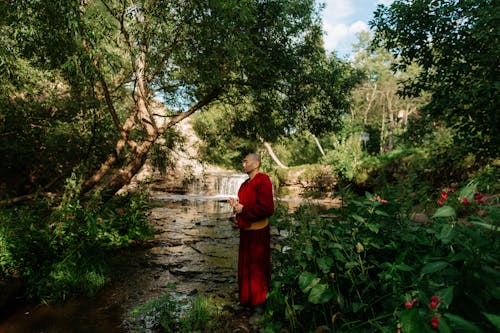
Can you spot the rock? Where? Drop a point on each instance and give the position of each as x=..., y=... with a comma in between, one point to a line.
x=420, y=218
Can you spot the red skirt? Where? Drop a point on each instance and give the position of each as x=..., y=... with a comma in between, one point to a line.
x=254, y=266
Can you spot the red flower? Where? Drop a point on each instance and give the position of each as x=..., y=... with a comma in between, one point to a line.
x=452, y=189
x=435, y=322
x=466, y=201
x=440, y=202
x=409, y=304
x=120, y=211
x=434, y=302
x=479, y=198
x=444, y=195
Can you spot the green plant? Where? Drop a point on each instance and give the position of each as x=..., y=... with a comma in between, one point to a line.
x=173, y=312
x=355, y=270
x=62, y=250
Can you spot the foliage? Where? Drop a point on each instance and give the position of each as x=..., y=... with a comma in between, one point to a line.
x=63, y=251
x=456, y=45
x=417, y=171
x=317, y=180
x=113, y=58
x=46, y=130
x=377, y=108
x=345, y=155
x=174, y=313
x=339, y=274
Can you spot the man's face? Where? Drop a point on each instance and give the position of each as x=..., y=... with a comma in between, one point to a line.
x=250, y=164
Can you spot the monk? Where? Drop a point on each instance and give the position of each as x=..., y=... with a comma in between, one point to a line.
x=253, y=208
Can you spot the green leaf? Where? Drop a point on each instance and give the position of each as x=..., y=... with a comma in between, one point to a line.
x=357, y=306
x=443, y=326
x=448, y=232
x=373, y=227
x=404, y=268
x=307, y=280
x=494, y=319
x=411, y=322
x=469, y=190
x=325, y=263
x=461, y=325
x=320, y=294
x=445, y=211
x=381, y=213
x=358, y=218
x=446, y=296
x=487, y=226
x=433, y=267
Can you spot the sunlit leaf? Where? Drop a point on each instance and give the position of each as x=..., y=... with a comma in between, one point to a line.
x=320, y=294
x=358, y=218
x=445, y=211
x=307, y=280
x=487, y=226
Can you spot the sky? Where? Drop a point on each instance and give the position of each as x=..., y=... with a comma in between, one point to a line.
x=342, y=19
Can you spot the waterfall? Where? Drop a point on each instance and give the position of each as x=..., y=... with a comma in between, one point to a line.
x=229, y=184
x=217, y=186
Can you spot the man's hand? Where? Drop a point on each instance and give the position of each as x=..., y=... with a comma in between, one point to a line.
x=238, y=208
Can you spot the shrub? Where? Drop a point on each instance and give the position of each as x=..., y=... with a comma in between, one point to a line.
x=62, y=251
x=355, y=270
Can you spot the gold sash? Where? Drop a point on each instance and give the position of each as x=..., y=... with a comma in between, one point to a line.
x=257, y=225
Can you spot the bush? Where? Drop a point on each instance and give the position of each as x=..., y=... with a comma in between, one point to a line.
x=356, y=270
x=62, y=251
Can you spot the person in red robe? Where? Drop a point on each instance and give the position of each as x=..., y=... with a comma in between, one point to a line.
x=253, y=208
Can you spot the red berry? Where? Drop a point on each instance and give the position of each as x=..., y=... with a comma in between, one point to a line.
x=435, y=322
x=409, y=304
x=444, y=195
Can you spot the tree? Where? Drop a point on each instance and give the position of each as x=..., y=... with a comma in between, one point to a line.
x=377, y=107
x=456, y=45
x=190, y=53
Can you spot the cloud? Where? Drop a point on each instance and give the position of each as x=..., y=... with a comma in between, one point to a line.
x=336, y=10
x=343, y=19
x=384, y=2
x=339, y=37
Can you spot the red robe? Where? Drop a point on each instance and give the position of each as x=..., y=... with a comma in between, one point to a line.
x=254, y=255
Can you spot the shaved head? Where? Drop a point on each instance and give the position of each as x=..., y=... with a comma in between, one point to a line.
x=254, y=157
x=251, y=164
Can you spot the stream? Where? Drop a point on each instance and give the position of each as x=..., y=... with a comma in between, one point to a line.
x=194, y=249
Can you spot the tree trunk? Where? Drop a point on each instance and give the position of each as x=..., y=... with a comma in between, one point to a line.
x=391, y=122
x=319, y=145
x=368, y=107
x=275, y=158
x=382, y=134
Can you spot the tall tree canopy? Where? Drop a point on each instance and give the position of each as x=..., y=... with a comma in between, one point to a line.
x=118, y=56
x=456, y=43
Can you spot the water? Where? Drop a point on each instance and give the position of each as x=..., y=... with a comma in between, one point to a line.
x=194, y=248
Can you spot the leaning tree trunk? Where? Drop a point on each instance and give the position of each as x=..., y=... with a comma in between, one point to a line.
x=318, y=144
x=275, y=158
